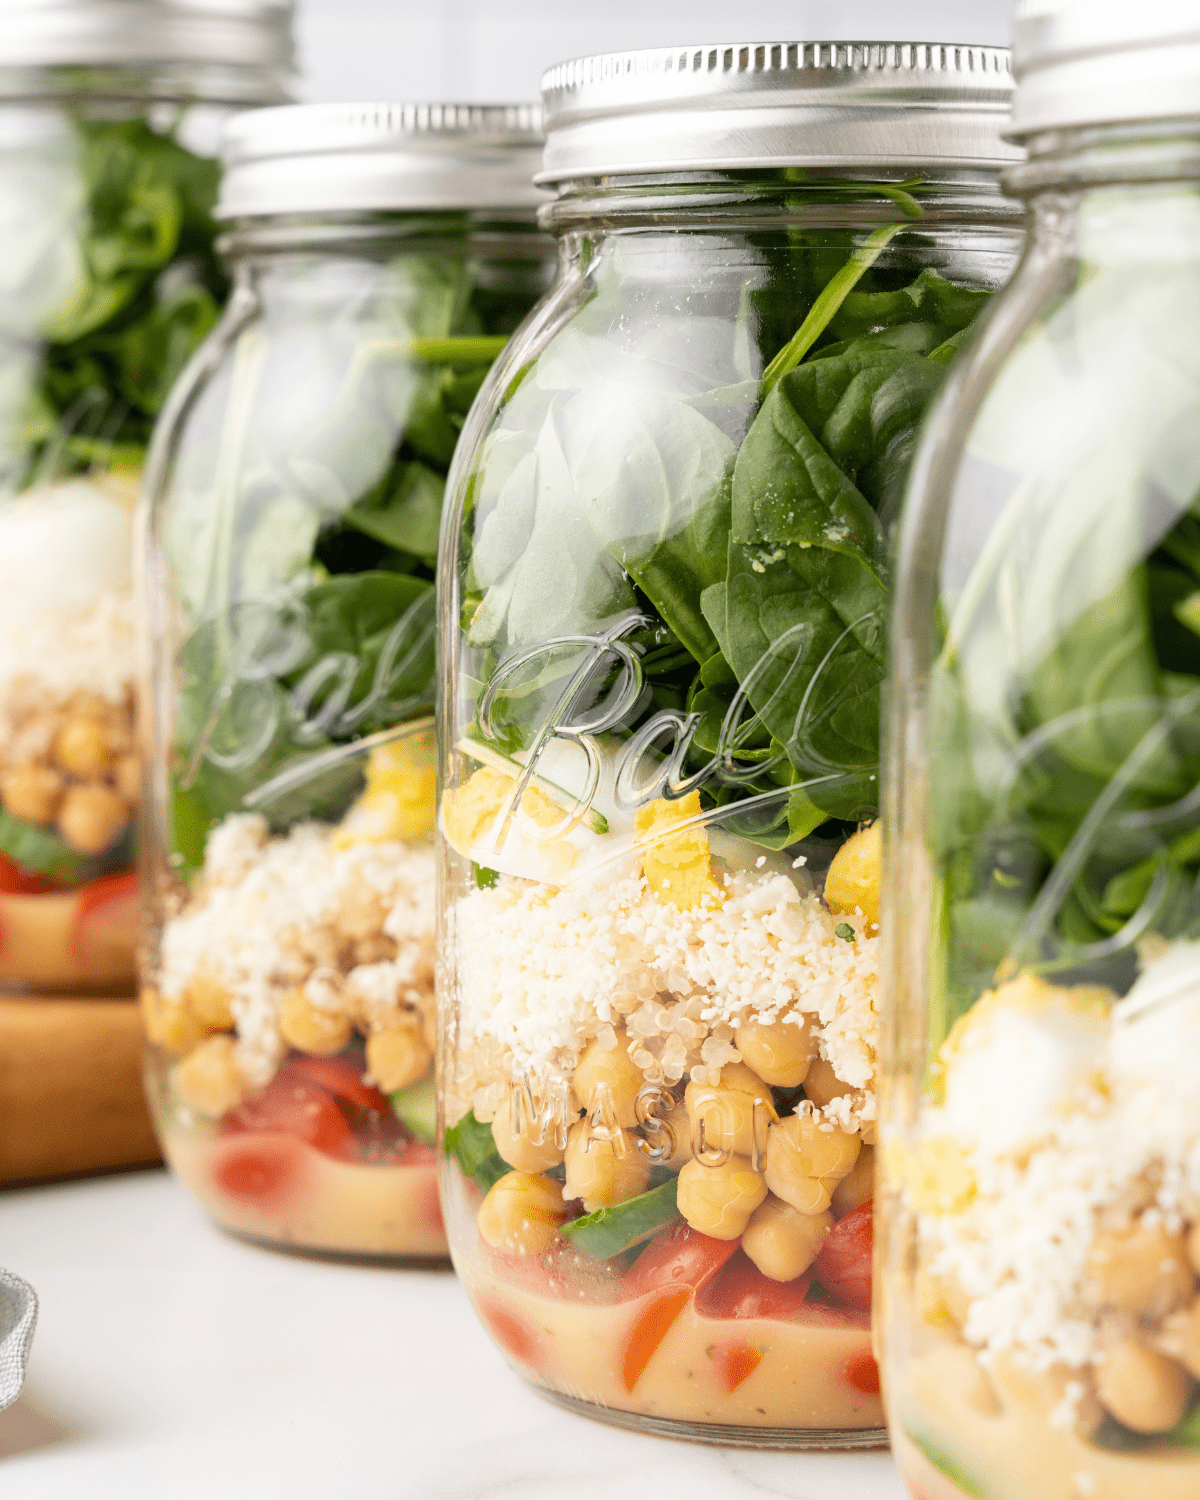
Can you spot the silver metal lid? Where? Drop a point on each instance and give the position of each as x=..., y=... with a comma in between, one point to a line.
x=347, y=158
x=1099, y=62
x=250, y=37
x=775, y=104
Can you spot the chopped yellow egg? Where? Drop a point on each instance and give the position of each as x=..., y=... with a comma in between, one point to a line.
x=469, y=811
x=400, y=799
x=853, y=881
x=937, y=1174
x=676, y=865
x=1029, y=994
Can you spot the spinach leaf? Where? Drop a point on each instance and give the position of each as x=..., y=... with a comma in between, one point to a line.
x=150, y=289
x=652, y=475
x=404, y=510
x=471, y=1142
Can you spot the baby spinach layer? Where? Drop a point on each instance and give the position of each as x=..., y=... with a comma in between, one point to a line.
x=739, y=520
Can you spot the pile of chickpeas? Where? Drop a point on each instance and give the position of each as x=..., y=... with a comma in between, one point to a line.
x=315, y=1017
x=1142, y=1287
x=777, y=1183
x=73, y=767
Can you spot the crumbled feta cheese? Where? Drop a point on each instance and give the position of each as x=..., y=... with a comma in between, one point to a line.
x=542, y=970
x=354, y=926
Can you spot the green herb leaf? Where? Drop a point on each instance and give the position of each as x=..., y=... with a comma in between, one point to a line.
x=471, y=1142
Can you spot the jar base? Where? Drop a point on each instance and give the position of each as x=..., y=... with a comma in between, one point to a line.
x=717, y=1434
x=382, y=1260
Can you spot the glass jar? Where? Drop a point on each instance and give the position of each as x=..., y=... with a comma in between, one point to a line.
x=1041, y=1318
x=382, y=256
x=108, y=282
x=661, y=616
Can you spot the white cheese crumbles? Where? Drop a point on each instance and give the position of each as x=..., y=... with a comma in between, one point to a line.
x=353, y=925
x=542, y=970
x=1113, y=1134
x=47, y=661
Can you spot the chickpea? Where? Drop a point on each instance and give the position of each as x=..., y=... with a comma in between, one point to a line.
x=397, y=1057
x=680, y=1143
x=1144, y=1390
x=718, y=1201
x=600, y=1173
x=854, y=877
x=1182, y=1330
x=823, y=1085
x=309, y=1027
x=779, y=1053
x=781, y=1241
x=953, y=1367
x=616, y=1070
x=82, y=748
x=209, y=1079
x=1193, y=1247
x=91, y=817
x=521, y=1214
x=1141, y=1270
x=728, y=1111
x=168, y=1023
x=209, y=1001
x=857, y=1186
x=806, y=1160
x=33, y=792
x=127, y=776
x=518, y=1150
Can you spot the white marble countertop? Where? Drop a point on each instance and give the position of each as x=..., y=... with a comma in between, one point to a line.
x=173, y=1363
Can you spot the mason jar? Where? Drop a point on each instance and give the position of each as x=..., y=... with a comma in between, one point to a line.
x=662, y=622
x=381, y=255
x=1041, y=1124
x=110, y=113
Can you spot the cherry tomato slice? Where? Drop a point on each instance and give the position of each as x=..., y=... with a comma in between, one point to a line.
x=843, y=1264
x=650, y=1327
x=863, y=1373
x=16, y=880
x=677, y=1256
x=341, y=1079
x=263, y=1172
x=105, y=929
x=677, y=1261
x=740, y=1290
x=737, y=1362
x=308, y=1114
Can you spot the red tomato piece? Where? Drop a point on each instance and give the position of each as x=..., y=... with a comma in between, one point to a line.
x=737, y=1362
x=677, y=1256
x=264, y=1172
x=418, y=1155
x=863, y=1373
x=511, y=1332
x=16, y=880
x=296, y=1109
x=106, y=920
x=341, y=1079
x=740, y=1290
x=676, y=1262
x=843, y=1264
x=650, y=1327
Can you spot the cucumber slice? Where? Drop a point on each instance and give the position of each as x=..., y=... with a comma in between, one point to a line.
x=416, y=1107
x=945, y=1464
x=609, y=1231
x=496, y=760
x=471, y=1141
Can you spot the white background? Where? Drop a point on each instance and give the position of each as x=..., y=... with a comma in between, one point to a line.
x=496, y=49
